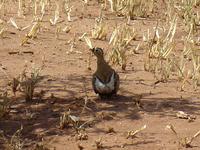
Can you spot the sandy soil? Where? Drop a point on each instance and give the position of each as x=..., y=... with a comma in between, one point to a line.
x=66, y=82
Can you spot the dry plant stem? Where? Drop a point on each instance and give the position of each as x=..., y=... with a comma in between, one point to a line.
x=80, y=38
x=68, y=9
x=120, y=40
x=100, y=29
x=132, y=8
x=56, y=15
x=32, y=33
x=15, y=85
x=183, y=141
x=171, y=127
x=189, y=73
x=105, y=4
x=89, y=44
x=14, y=24
x=2, y=32
x=21, y=3
x=69, y=14
x=58, y=29
x=88, y=41
x=72, y=44
x=3, y=7
x=16, y=142
x=67, y=120
x=195, y=136
x=29, y=90
x=5, y=103
x=160, y=58
x=35, y=28
x=66, y=29
x=43, y=4
x=132, y=134
x=185, y=80
x=63, y=121
x=35, y=7
x=84, y=8
x=29, y=80
x=86, y=98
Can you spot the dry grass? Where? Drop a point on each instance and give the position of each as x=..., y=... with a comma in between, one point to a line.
x=183, y=141
x=29, y=80
x=132, y=8
x=4, y=103
x=67, y=120
x=100, y=30
x=120, y=41
x=159, y=58
x=132, y=134
x=14, y=142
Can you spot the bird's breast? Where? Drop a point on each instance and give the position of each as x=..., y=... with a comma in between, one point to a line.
x=105, y=88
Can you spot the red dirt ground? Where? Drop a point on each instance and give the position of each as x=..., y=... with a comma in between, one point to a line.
x=65, y=75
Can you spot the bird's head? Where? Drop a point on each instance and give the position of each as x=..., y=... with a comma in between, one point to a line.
x=98, y=52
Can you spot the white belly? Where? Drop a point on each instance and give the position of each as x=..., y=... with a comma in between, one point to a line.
x=105, y=88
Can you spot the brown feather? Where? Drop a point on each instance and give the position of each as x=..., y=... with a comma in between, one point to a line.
x=104, y=72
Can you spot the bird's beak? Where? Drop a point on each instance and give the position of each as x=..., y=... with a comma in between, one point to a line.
x=92, y=49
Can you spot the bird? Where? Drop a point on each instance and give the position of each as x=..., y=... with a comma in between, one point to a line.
x=105, y=80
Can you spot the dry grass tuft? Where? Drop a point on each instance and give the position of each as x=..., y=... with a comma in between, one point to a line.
x=183, y=141
x=120, y=41
x=4, y=104
x=132, y=8
x=100, y=30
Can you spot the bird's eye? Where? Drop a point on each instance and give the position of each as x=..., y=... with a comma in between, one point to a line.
x=98, y=51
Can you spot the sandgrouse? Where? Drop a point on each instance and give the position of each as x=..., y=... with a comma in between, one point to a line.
x=105, y=80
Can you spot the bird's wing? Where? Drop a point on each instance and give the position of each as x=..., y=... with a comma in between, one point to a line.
x=111, y=83
x=93, y=84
